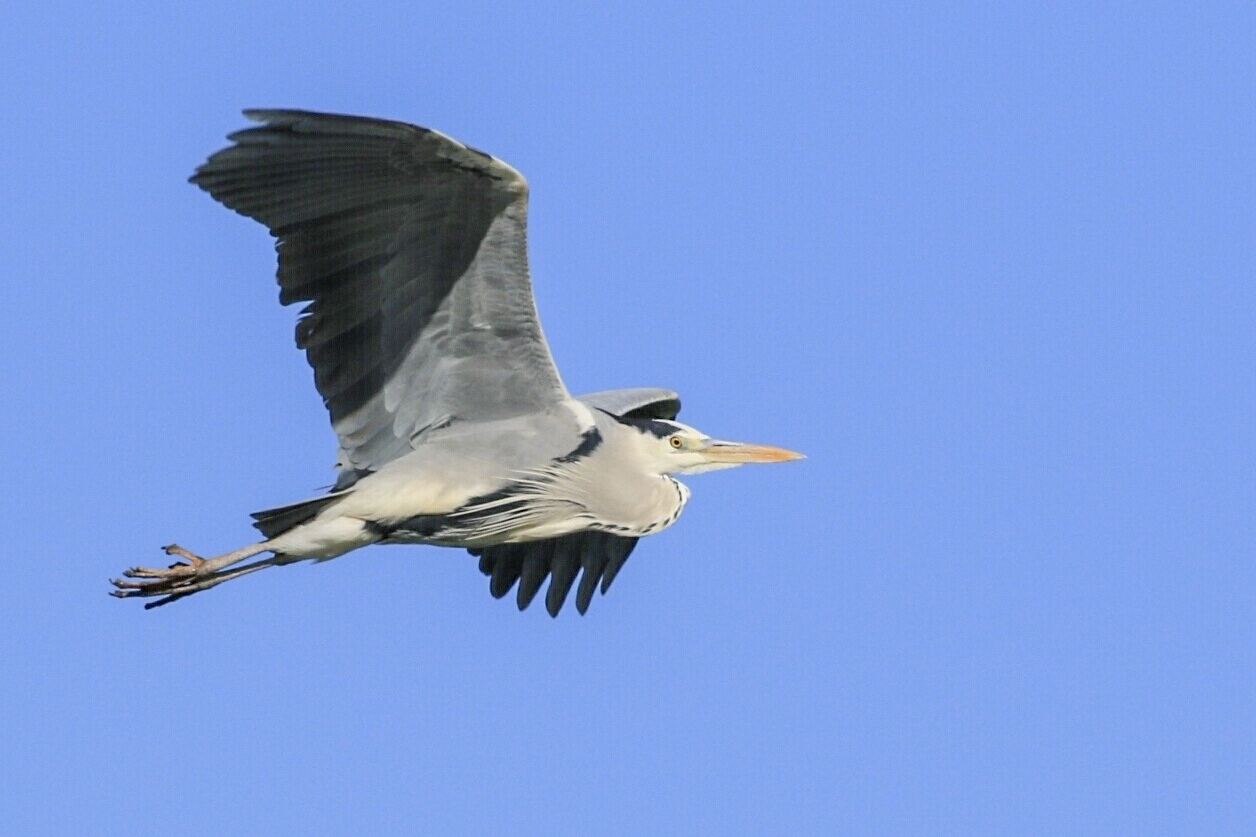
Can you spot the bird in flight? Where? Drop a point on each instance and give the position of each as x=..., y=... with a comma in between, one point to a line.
x=409, y=252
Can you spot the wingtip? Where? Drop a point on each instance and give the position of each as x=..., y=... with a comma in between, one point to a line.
x=268, y=114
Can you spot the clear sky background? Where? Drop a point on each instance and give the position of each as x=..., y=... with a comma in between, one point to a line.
x=989, y=266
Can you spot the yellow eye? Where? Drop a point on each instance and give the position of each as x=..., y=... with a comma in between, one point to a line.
x=677, y=443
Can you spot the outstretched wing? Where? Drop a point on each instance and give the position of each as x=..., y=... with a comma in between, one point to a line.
x=410, y=250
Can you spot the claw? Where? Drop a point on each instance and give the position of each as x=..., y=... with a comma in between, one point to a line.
x=124, y=589
x=172, y=572
x=195, y=561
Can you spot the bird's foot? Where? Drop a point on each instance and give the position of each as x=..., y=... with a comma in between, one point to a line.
x=174, y=581
x=182, y=578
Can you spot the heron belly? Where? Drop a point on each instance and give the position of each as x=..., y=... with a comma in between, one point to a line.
x=324, y=538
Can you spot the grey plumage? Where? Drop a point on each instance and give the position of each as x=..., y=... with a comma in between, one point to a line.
x=409, y=252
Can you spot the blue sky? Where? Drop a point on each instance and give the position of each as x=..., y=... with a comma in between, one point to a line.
x=989, y=266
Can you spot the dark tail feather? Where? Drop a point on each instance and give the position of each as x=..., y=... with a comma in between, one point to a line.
x=274, y=522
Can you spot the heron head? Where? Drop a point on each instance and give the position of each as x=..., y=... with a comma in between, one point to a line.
x=681, y=449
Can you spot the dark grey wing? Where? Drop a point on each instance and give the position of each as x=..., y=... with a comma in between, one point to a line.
x=641, y=403
x=410, y=250
x=599, y=554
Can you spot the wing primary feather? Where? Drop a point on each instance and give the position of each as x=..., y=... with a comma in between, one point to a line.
x=618, y=549
x=594, y=561
x=535, y=568
x=563, y=568
x=506, y=572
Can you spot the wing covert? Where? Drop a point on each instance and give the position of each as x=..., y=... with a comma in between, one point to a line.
x=642, y=402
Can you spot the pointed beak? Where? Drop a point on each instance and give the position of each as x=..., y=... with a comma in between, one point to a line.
x=737, y=453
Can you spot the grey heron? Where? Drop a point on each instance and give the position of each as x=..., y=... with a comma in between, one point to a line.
x=409, y=251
